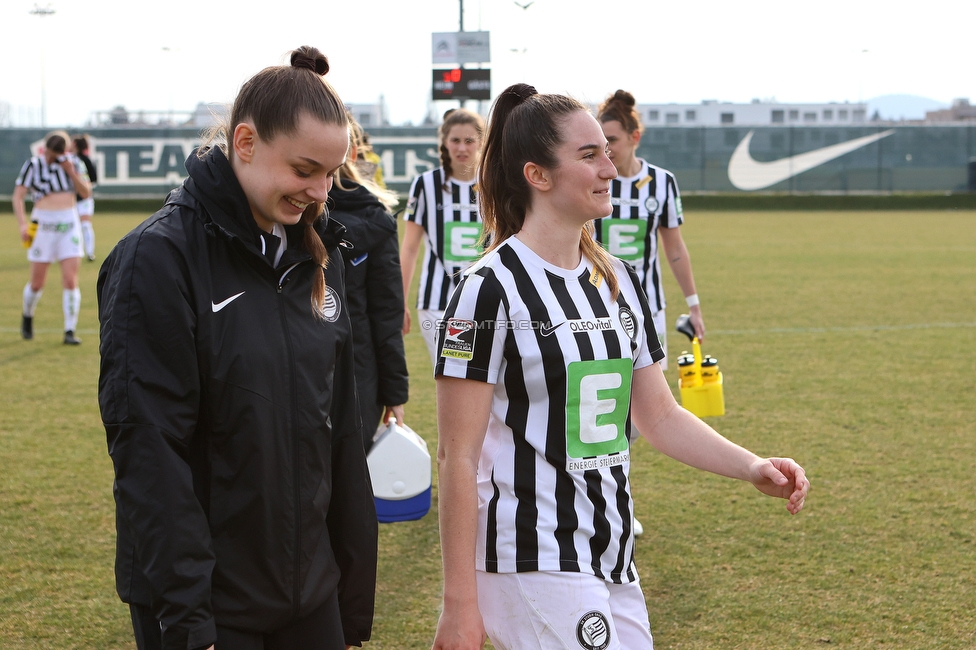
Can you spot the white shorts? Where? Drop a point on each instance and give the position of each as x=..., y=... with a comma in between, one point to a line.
x=86, y=207
x=661, y=326
x=562, y=611
x=429, y=318
x=58, y=236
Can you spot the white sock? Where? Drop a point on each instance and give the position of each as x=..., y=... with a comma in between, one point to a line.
x=88, y=235
x=30, y=300
x=70, y=302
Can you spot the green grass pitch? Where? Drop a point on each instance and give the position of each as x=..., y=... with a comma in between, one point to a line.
x=847, y=340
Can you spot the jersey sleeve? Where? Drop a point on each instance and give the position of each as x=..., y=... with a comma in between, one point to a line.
x=649, y=351
x=23, y=178
x=471, y=336
x=672, y=216
x=416, y=210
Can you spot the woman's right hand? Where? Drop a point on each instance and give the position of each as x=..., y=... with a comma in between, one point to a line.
x=460, y=629
x=24, y=237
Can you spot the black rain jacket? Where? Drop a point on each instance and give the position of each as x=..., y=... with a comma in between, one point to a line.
x=242, y=493
x=374, y=286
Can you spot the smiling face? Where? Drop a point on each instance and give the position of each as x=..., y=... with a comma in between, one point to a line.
x=464, y=147
x=580, y=182
x=623, y=146
x=281, y=177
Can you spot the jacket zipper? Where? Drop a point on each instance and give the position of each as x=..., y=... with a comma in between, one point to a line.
x=296, y=460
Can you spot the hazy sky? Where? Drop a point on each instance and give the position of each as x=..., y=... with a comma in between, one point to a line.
x=171, y=55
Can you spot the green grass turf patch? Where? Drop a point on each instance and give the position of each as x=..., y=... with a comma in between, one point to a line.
x=847, y=340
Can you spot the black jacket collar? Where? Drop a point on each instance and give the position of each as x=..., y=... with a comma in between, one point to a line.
x=213, y=183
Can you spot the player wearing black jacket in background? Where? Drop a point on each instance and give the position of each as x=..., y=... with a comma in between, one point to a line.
x=374, y=287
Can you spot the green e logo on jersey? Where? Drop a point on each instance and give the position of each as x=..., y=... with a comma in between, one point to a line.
x=597, y=403
x=624, y=238
x=461, y=241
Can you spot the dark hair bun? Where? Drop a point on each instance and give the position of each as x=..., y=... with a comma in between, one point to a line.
x=311, y=59
x=625, y=98
x=522, y=91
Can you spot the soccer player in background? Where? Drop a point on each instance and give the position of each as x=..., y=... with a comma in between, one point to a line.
x=646, y=204
x=86, y=206
x=442, y=210
x=374, y=289
x=53, y=180
x=549, y=351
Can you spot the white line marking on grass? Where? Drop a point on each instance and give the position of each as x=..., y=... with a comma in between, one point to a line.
x=858, y=328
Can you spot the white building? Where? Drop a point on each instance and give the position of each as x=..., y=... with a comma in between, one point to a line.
x=370, y=115
x=757, y=113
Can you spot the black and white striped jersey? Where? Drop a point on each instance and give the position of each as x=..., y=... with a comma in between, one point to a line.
x=452, y=223
x=553, y=486
x=641, y=204
x=41, y=178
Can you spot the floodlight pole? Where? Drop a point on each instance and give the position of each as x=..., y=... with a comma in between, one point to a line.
x=461, y=29
x=45, y=11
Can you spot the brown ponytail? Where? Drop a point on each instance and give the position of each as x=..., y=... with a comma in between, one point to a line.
x=525, y=126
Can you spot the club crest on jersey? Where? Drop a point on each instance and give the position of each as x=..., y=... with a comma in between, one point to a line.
x=629, y=322
x=593, y=631
x=459, y=339
x=651, y=204
x=331, y=308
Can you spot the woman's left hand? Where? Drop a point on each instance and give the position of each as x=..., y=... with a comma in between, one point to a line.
x=781, y=477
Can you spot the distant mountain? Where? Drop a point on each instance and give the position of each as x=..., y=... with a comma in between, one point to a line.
x=903, y=107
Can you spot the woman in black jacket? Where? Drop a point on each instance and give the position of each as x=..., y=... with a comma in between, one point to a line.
x=374, y=286
x=244, y=510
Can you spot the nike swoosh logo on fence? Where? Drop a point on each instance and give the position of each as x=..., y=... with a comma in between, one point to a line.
x=747, y=173
x=217, y=306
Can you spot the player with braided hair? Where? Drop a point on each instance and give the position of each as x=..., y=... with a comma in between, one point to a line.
x=442, y=210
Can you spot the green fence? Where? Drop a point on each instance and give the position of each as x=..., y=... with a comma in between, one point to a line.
x=148, y=162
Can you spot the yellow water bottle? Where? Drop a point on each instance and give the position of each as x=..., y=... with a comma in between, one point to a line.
x=688, y=371
x=709, y=370
x=701, y=381
x=31, y=232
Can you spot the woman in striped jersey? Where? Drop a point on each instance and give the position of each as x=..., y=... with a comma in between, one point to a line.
x=53, y=180
x=645, y=203
x=547, y=355
x=443, y=212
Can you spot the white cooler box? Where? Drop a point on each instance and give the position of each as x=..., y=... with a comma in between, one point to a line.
x=399, y=468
